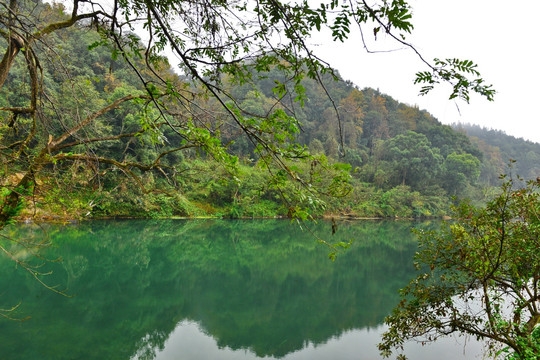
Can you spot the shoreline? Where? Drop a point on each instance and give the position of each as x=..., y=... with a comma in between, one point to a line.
x=326, y=217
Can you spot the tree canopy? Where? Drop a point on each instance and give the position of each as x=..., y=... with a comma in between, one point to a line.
x=478, y=276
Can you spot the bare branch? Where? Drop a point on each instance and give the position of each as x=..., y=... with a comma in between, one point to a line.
x=53, y=144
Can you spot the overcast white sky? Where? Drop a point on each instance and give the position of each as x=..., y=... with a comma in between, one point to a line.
x=500, y=36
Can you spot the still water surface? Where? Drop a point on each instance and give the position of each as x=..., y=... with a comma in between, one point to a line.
x=211, y=289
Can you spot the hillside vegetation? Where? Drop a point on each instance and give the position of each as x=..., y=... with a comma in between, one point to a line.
x=398, y=160
x=498, y=148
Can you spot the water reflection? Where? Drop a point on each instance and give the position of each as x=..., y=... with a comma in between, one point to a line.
x=207, y=289
x=189, y=341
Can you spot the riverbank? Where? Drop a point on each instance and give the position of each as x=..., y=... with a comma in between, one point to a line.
x=55, y=218
x=245, y=200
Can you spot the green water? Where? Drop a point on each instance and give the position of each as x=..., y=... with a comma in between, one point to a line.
x=212, y=289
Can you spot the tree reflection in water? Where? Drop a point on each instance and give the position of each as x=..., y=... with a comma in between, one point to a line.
x=263, y=287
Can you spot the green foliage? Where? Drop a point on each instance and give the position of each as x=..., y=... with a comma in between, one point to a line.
x=263, y=111
x=412, y=157
x=367, y=201
x=10, y=210
x=130, y=202
x=459, y=171
x=455, y=71
x=479, y=275
x=499, y=148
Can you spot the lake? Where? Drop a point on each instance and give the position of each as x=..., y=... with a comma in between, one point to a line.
x=210, y=289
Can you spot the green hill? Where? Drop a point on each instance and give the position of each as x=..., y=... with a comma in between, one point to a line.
x=499, y=148
x=403, y=161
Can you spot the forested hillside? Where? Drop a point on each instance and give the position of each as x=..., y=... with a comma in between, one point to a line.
x=499, y=148
x=403, y=162
x=389, y=143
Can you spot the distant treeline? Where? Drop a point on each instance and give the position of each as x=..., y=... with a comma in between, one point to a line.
x=498, y=148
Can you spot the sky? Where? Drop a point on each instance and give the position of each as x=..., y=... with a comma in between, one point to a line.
x=500, y=36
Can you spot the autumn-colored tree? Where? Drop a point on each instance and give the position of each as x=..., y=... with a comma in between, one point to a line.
x=352, y=115
x=409, y=116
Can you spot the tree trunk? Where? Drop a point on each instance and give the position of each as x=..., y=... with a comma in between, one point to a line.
x=15, y=44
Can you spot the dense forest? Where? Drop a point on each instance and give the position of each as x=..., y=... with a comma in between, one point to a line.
x=398, y=160
x=498, y=148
